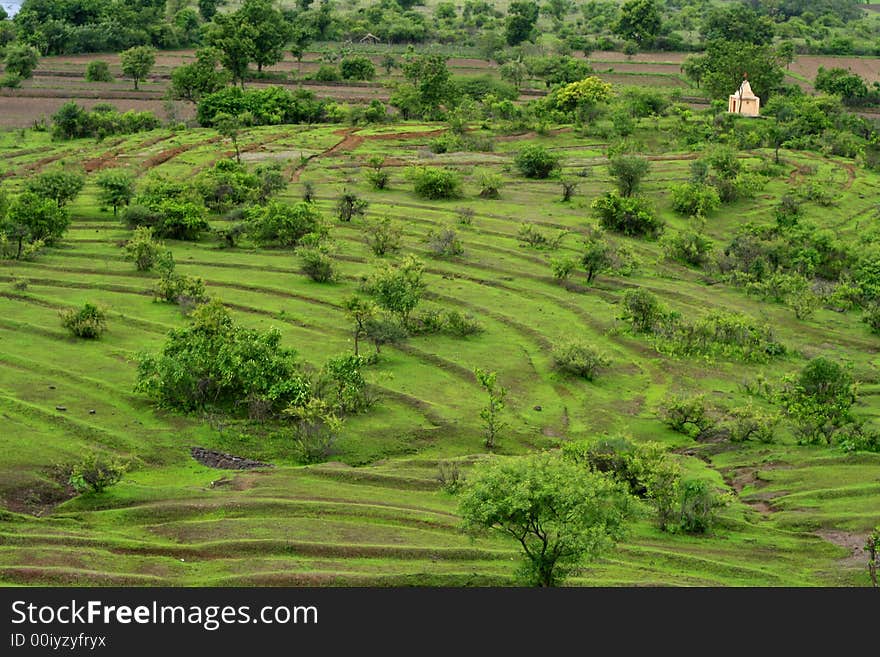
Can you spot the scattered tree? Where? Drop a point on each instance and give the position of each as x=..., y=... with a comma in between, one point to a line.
x=491, y=412
x=561, y=514
x=137, y=62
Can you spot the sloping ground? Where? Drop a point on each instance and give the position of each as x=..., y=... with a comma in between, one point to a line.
x=388, y=523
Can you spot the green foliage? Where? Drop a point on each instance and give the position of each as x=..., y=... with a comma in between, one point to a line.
x=383, y=235
x=694, y=199
x=95, y=473
x=632, y=216
x=490, y=414
x=563, y=267
x=174, y=287
x=89, y=321
x=490, y=184
x=116, y=188
x=444, y=243
x=435, y=183
x=377, y=175
x=315, y=430
x=357, y=67
x=561, y=514
x=838, y=81
x=398, y=287
x=267, y=106
x=689, y=246
x=819, y=400
x=342, y=385
x=327, y=73
x=579, y=359
x=143, y=249
x=628, y=171
x=725, y=62
x=639, y=21
x=642, y=309
x=59, y=185
x=688, y=415
x=521, y=18
x=317, y=264
x=279, y=224
x=530, y=236
x=20, y=61
x=429, y=87
x=137, y=62
x=597, y=256
x=750, y=423
x=98, y=71
x=699, y=504
x=215, y=363
x=31, y=220
x=72, y=121
x=193, y=81
x=583, y=94
x=350, y=205
x=536, y=161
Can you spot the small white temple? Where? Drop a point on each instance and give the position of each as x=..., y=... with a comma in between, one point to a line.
x=744, y=101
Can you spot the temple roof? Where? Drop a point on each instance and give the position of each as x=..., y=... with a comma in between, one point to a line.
x=745, y=90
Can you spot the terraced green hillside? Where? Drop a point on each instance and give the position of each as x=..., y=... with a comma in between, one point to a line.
x=377, y=515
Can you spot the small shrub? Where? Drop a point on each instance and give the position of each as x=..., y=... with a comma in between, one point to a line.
x=445, y=243
x=563, y=267
x=98, y=71
x=750, y=423
x=435, y=183
x=20, y=284
x=317, y=265
x=569, y=187
x=642, y=309
x=465, y=216
x=535, y=161
x=315, y=430
x=96, y=473
x=142, y=249
x=689, y=247
x=579, y=359
x=450, y=476
x=631, y=216
x=694, y=199
x=383, y=235
x=490, y=185
x=308, y=191
x=357, y=67
x=461, y=325
x=88, y=322
x=628, y=171
x=327, y=73
x=377, y=175
x=699, y=504
x=350, y=205
x=687, y=415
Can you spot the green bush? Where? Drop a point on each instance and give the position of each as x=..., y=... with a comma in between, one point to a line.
x=694, y=199
x=279, y=224
x=580, y=359
x=317, y=265
x=435, y=183
x=268, y=106
x=143, y=249
x=689, y=247
x=98, y=71
x=357, y=67
x=535, y=161
x=630, y=215
x=642, y=309
x=88, y=322
x=327, y=73
x=699, y=506
x=96, y=473
x=687, y=415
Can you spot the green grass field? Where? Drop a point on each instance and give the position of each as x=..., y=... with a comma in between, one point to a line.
x=376, y=514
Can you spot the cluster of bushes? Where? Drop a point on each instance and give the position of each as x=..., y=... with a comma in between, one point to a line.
x=718, y=334
x=174, y=210
x=269, y=106
x=681, y=503
x=229, y=184
x=72, y=121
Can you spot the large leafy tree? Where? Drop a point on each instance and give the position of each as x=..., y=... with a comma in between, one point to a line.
x=116, y=188
x=214, y=363
x=271, y=31
x=726, y=62
x=59, y=185
x=737, y=22
x=236, y=42
x=137, y=62
x=639, y=21
x=521, y=18
x=560, y=514
x=192, y=81
x=819, y=399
